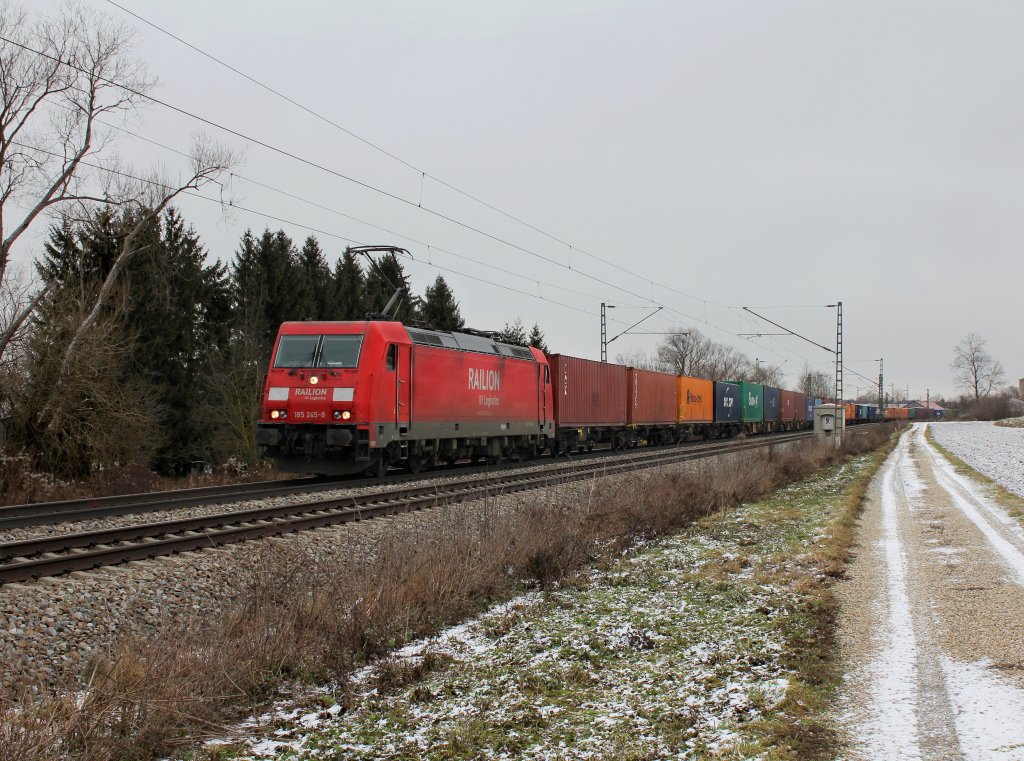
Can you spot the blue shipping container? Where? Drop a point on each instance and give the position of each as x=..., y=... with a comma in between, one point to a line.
x=810, y=408
x=771, y=403
x=727, y=402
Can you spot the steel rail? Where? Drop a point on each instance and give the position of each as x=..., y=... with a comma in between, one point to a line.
x=35, y=558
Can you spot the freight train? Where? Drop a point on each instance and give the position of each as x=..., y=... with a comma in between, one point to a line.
x=350, y=397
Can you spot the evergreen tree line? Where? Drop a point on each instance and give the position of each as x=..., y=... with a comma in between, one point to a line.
x=170, y=376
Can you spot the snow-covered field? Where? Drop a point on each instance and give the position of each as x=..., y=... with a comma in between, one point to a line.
x=678, y=650
x=995, y=451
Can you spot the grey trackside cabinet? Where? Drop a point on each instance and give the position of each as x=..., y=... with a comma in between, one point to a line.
x=829, y=421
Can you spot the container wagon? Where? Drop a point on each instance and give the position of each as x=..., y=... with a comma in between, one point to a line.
x=651, y=410
x=695, y=400
x=751, y=405
x=728, y=408
x=772, y=407
x=590, y=403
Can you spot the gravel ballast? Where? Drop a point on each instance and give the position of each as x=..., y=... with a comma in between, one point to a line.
x=49, y=629
x=995, y=451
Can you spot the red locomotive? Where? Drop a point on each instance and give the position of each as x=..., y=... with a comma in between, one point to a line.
x=345, y=397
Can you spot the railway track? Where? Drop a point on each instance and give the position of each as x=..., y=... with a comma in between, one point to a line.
x=51, y=513
x=56, y=555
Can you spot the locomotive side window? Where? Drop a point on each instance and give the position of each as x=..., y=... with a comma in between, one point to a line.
x=392, y=358
x=296, y=351
x=340, y=351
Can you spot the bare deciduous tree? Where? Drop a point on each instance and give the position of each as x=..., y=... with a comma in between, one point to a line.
x=59, y=77
x=816, y=383
x=977, y=372
x=692, y=353
x=639, y=359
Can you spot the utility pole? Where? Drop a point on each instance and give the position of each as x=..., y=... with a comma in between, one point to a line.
x=840, y=410
x=881, y=393
x=604, y=330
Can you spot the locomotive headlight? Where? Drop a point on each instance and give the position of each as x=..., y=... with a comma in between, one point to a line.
x=274, y=414
x=313, y=380
x=337, y=414
x=346, y=415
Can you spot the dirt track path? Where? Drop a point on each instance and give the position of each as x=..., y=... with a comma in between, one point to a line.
x=932, y=629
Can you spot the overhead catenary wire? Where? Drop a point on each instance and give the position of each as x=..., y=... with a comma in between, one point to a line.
x=340, y=175
x=429, y=246
x=381, y=191
x=319, y=231
x=422, y=172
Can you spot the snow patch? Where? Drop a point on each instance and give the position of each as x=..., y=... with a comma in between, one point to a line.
x=987, y=709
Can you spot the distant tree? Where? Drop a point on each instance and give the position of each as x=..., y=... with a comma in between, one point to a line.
x=693, y=354
x=514, y=333
x=440, y=309
x=536, y=339
x=762, y=372
x=816, y=383
x=639, y=359
x=349, y=301
x=977, y=372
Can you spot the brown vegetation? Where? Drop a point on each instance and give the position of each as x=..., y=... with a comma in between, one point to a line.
x=302, y=621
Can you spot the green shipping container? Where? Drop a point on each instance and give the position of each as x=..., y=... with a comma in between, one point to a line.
x=751, y=401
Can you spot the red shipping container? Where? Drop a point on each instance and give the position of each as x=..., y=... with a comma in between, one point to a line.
x=788, y=407
x=587, y=393
x=801, y=406
x=652, y=398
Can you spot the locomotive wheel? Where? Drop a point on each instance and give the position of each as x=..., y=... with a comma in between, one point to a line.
x=414, y=464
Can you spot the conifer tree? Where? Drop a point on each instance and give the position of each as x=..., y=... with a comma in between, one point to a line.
x=171, y=314
x=536, y=339
x=382, y=280
x=314, y=285
x=440, y=309
x=262, y=283
x=349, y=302
x=514, y=333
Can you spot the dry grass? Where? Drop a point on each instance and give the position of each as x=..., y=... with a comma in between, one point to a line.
x=1011, y=422
x=300, y=620
x=805, y=727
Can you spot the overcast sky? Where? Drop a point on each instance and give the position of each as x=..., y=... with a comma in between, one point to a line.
x=724, y=154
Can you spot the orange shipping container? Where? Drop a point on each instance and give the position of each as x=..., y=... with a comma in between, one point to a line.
x=851, y=410
x=696, y=398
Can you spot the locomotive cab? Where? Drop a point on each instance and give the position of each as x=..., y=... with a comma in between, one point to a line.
x=333, y=391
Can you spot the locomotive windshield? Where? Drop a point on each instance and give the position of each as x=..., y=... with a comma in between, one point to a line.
x=318, y=351
x=340, y=351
